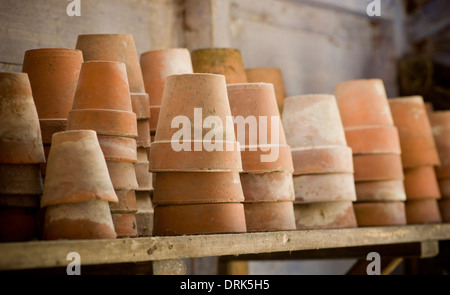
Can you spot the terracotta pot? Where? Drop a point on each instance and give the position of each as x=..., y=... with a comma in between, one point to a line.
x=324, y=188
x=444, y=208
x=142, y=154
x=49, y=127
x=125, y=225
x=197, y=188
x=114, y=47
x=429, y=107
x=444, y=188
x=416, y=138
x=269, y=216
x=75, y=221
x=421, y=183
x=422, y=211
x=267, y=187
x=144, y=202
x=156, y=65
x=20, y=179
x=269, y=75
x=380, y=213
x=325, y=215
x=126, y=204
x=144, y=215
x=440, y=123
x=333, y=159
x=118, y=148
x=254, y=162
x=144, y=178
x=104, y=122
x=387, y=190
x=143, y=129
x=123, y=175
x=199, y=219
x=363, y=103
x=103, y=85
x=26, y=201
x=222, y=61
x=17, y=224
x=154, y=117
x=373, y=140
x=53, y=74
x=442, y=172
x=20, y=133
x=378, y=167
x=76, y=170
x=141, y=106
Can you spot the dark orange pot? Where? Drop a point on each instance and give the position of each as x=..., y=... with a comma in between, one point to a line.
x=17, y=224
x=123, y=175
x=143, y=129
x=440, y=124
x=20, y=179
x=118, y=148
x=269, y=75
x=444, y=208
x=421, y=183
x=269, y=216
x=422, y=211
x=125, y=225
x=154, y=117
x=442, y=172
x=267, y=187
x=380, y=213
x=49, y=127
x=385, y=190
x=126, y=204
x=26, y=201
x=320, y=160
x=141, y=106
x=373, y=140
x=378, y=167
x=444, y=187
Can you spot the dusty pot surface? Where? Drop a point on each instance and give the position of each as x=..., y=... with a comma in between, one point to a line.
x=387, y=190
x=197, y=188
x=421, y=183
x=422, y=211
x=269, y=216
x=142, y=154
x=114, y=47
x=125, y=225
x=380, y=213
x=123, y=175
x=143, y=129
x=154, y=117
x=222, y=61
x=267, y=187
x=75, y=221
x=25, y=201
x=118, y=148
x=144, y=202
x=76, y=170
x=373, y=140
x=320, y=160
x=156, y=65
x=126, y=204
x=20, y=133
x=325, y=215
x=363, y=103
x=20, y=179
x=143, y=176
x=269, y=75
x=271, y=159
x=440, y=124
x=378, y=167
x=144, y=223
x=103, y=85
x=444, y=208
x=444, y=188
x=141, y=106
x=324, y=188
x=53, y=74
x=51, y=126
x=199, y=219
x=17, y=224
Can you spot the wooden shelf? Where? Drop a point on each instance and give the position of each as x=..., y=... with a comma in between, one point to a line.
x=47, y=254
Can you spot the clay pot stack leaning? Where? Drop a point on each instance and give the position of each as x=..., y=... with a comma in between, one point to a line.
x=323, y=168
x=77, y=189
x=419, y=157
x=266, y=158
x=102, y=103
x=378, y=171
x=21, y=154
x=196, y=160
x=440, y=124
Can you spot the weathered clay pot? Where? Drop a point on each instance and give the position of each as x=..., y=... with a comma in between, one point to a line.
x=114, y=47
x=17, y=224
x=122, y=175
x=267, y=187
x=333, y=159
x=154, y=117
x=156, y=65
x=373, y=140
x=197, y=188
x=74, y=221
x=143, y=129
x=144, y=215
x=269, y=75
x=387, y=190
x=199, y=219
x=363, y=103
x=325, y=215
x=51, y=126
x=76, y=170
x=416, y=137
x=269, y=216
x=444, y=188
x=53, y=74
x=422, y=211
x=142, y=154
x=144, y=178
x=377, y=167
x=222, y=61
x=421, y=183
x=104, y=122
x=125, y=225
x=442, y=172
x=118, y=148
x=324, y=188
x=440, y=124
x=444, y=208
x=20, y=179
x=380, y=213
x=103, y=85
x=126, y=204
x=20, y=133
x=141, y=105
x=27, y=201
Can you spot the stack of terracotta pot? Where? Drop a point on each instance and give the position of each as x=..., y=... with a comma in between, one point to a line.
x=77, y=189
x=102, y=103
x=440, y=124
x=20, y=158
x=419, y=157
x=370, y=132
x=323, y=168
x=266, y=158
x=196, y=163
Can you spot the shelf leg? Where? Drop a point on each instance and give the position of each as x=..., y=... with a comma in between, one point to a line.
x=169, y=267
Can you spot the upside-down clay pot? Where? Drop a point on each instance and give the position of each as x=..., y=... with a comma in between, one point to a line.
x=319, y=160
x=421, y=183
x=363, y=103
x=20, y=133
x=380, y=213
x=440, y=124
x=143, y=176
x=442, y=172
x=385, y=190
x=122, y=175
x=422, y=211
x=144, y=215
x=53, y=74
x=222, y=61
x=416, y=138
x=51, y=126
x=20, y=179
x=125, y=225
x=324, y=215
x=378, y=167
x=269, y=216
x=118, y=148
x=17, y=224
x=444, y=188
x=199, y=219
x=444, y=208
x=76, y=170
x=156, y=65
x=126, y=204
x=154, y=117
x=269, y=75
x=373, y=140
x=141, y=105
x=114, y=47
x=267, y=187
x=27, y=201
x=143, y=129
